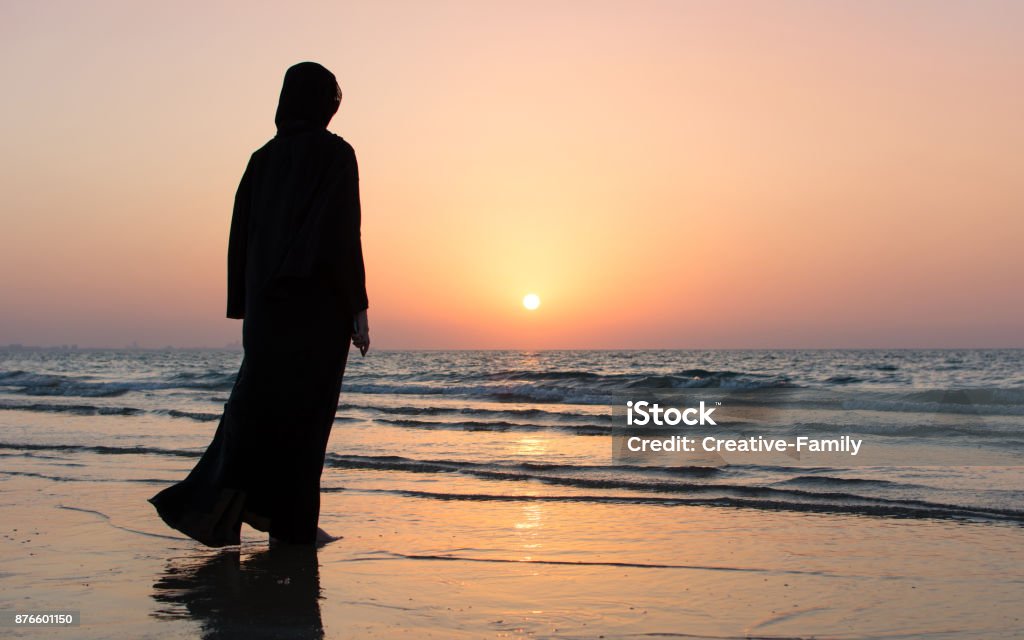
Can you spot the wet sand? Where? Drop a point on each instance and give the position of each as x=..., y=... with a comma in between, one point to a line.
x=505, y=569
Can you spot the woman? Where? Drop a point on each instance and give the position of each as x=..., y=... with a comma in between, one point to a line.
x=295, y=277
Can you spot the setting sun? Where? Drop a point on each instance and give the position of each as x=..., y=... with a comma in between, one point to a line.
x=531, y=301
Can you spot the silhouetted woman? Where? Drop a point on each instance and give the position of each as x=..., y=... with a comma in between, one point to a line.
x=295, y=275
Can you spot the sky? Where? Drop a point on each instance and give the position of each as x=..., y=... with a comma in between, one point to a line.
x=661, y=174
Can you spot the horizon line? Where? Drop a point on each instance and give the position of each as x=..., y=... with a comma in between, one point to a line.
x=239, y=347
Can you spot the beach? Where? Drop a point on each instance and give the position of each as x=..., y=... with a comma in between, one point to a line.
x=511, y=569
x=478, y=497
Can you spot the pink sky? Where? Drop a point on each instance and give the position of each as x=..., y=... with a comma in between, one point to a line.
x=661, y=174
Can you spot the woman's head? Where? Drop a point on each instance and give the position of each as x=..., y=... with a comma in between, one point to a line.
x=310, y=94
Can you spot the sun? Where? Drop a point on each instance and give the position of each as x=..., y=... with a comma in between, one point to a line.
x=531, y=301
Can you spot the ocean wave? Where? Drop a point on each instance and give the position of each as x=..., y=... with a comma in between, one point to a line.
x=557, y=386
x=102, y=449
x=1009, y=435
x=516, y=471
x=467, y=425
x=706, y=379
x=76, y=409
x=841, y=391
x=569, y=386
x=204, y=379
x=501, y=393
x=994, y=402
x=844, y=379
x=198, y=416
x=47, y=476
x=45, y=384
x=842, y=482
x=707, y=486
x=575, y=477
x=512, y=374
x=101, y=410
x=41, y=384
x=932, y=511
x=470, y=411
x=391, y=555
x=498, y=425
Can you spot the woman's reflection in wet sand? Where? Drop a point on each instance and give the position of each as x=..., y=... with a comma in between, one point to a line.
x=274, y=593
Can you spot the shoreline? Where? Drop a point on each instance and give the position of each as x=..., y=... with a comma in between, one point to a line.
x=509, y=569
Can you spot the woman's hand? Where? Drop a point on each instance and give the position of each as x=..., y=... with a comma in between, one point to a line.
x=361, y=332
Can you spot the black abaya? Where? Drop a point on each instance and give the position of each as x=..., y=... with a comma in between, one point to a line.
x=295, y=274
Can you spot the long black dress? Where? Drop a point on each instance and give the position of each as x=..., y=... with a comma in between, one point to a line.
x=295, y=274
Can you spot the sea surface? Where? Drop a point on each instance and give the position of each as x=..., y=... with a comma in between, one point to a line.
x=493, y=426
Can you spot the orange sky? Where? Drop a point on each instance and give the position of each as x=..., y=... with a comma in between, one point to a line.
x=662, y=174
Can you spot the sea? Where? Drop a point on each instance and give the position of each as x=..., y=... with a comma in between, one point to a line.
x=536, y=426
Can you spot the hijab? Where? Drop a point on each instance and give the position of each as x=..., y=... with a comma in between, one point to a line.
x=310, y=96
